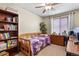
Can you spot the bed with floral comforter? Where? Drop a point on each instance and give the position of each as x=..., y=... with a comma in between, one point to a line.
x=37, y=43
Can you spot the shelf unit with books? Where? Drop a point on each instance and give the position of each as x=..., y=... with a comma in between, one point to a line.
x=8, y=32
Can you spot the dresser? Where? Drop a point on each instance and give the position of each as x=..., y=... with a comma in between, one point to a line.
x=57, y=39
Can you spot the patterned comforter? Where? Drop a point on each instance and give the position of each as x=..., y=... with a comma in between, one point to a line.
x=39, y=42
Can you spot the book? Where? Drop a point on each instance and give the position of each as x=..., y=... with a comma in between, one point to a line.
x=15, y=19
x=3, y=46
x=10, y=27
x=4, y=35
x=9, y=18
x=12, y=43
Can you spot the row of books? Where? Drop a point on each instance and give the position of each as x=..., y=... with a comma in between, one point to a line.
x=11, y=19
x=10, y=43
x=4, y=35
x=10, y=27
x=3, y=46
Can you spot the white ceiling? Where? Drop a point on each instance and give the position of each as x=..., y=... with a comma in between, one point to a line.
x=57, y=9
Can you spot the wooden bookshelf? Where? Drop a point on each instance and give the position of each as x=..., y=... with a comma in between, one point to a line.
x=9, y=31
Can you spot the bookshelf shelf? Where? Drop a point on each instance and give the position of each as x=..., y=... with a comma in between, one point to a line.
x=7, y=39
x=3, y=50
x=9, y=32
x=8, y=22
x=12, y=47
x=8, y=48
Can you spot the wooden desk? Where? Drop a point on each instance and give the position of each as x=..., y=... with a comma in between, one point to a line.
x=71, y=49
x=57, y=39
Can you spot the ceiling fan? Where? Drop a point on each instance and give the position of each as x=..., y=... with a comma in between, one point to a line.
x=47, y=6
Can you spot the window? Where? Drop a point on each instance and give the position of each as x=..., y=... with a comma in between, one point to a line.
x=63, y=24
x=66, y=22
x=56, y=26
x=60, y=25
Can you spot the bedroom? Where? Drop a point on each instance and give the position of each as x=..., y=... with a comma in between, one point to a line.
x=44, y=31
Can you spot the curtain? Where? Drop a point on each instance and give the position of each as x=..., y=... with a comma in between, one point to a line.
x=59, y=24
x=71, y=21
x=56, y=26
x=64, y=24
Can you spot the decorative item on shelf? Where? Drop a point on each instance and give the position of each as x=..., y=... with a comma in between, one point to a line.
x=9, y=19
x=2, y=17
x=1, y=36
x=15, y=19
x=43, y=28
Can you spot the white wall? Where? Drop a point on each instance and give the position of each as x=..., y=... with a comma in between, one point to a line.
x=28, y=22
x=76, y=19
x=48, y=24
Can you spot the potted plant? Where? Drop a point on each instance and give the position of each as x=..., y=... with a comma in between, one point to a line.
x=43, y=28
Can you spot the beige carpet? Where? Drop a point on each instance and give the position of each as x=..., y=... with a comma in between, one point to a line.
x=51, y=50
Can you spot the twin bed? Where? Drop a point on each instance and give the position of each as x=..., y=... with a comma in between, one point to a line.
x=32, y=45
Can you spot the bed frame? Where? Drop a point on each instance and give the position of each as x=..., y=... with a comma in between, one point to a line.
x=25, y=47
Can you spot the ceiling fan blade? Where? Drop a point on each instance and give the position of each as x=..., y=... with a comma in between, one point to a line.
x=54, y=4
x=39, y=6
x=44, y=11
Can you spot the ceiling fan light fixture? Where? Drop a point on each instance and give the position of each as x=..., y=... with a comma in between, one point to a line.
x=47, y=7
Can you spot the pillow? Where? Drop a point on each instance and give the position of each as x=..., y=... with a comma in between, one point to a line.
x=43, y=35
x=32, y=36
x=26, y=37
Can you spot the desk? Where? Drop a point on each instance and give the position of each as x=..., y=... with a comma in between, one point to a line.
x=72, y=49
